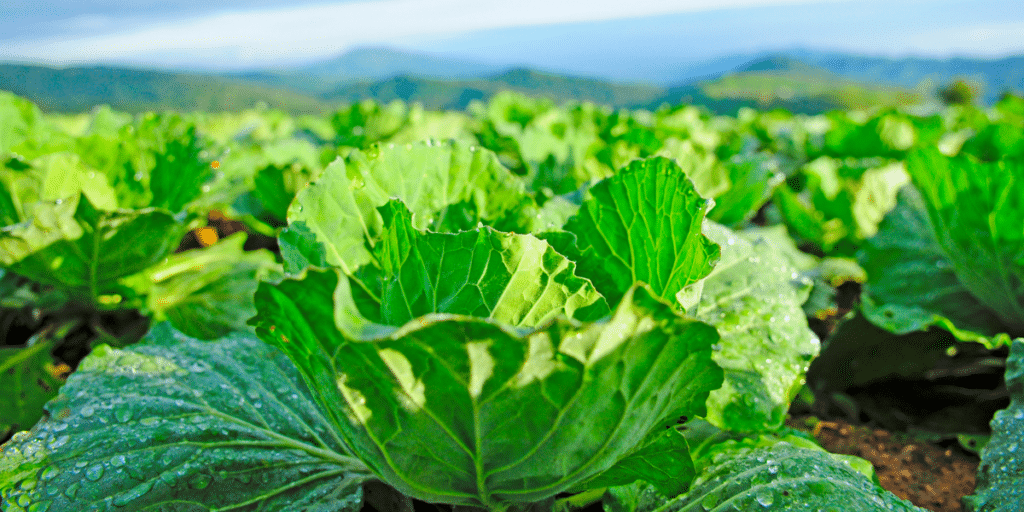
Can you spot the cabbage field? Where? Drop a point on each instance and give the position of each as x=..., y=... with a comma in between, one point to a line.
x=522, y=307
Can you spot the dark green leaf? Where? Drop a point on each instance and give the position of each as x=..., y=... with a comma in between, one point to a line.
x=108, y=246
x=912, y=284
x=975, y=211
x=28, y=378
x=178, y=423
x=784, y=477
x=1001, y=473
x=663, y=461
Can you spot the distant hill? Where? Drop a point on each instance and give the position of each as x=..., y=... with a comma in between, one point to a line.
x=457, y=94
x=779, y=81
x=77, y=89
x=994, y=75
x=370, y=65
x=771, y=82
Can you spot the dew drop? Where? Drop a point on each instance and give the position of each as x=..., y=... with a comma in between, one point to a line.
x=39, y=507
x=765, y=498
x=200, y=481
x=169, y=479
x=119, y=460
x=94, y=472
x=133, y=494
x=88, y=411
x=72, y=490
x=709, y=502
x=123, y=414
x=57, y=442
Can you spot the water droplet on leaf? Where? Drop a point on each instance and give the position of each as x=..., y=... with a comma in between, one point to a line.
x=200, y=481
x=94, y=472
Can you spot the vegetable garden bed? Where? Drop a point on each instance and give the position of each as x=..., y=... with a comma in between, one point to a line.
x=520, y=307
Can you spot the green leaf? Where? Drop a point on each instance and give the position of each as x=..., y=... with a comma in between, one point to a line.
x=95, y=248
x=752, y=180
x=463, y=410
x=175, y=422
x=841, y=202
x=635, y=497
x=340, y=207
x=179, y=172
x=784, y=477
x=27, y=376
x=641, y=225
x=206, y=293
x=753, y=298
x=662, y=461
x=976, y=210
x=8, y=212
x=1001, y=473
x=300, y=248
x=912, y=284
x=513, y=279
x=20, y=119
x=286, y=166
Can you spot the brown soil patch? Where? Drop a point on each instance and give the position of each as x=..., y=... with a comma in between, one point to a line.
x=928, y=475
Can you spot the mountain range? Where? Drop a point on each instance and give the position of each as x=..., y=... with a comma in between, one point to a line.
x=799, y=80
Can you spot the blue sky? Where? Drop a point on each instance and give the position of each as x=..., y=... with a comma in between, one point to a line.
x=596, y=37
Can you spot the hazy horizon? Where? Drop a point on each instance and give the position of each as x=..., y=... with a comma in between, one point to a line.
x=608, y=39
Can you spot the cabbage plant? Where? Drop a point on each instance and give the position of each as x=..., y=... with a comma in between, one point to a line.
x=473, y=367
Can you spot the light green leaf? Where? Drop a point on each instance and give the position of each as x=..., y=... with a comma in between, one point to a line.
x=912, y=285
x=340, y=207
x=513, y=279
x=753, y=297
x=463, y=410
x=641, y=225
x=19, y=120
x=1001, y=473
x=206, y=293
x=976, y=210
x=784, y=477
x=175, y=422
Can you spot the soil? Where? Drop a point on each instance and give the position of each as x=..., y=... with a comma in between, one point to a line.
x=928, y=474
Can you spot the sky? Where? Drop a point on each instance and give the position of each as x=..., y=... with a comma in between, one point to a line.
x=595, y=37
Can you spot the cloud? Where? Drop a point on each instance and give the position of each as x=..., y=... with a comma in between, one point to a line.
x=268, y=35
x=993, y=38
